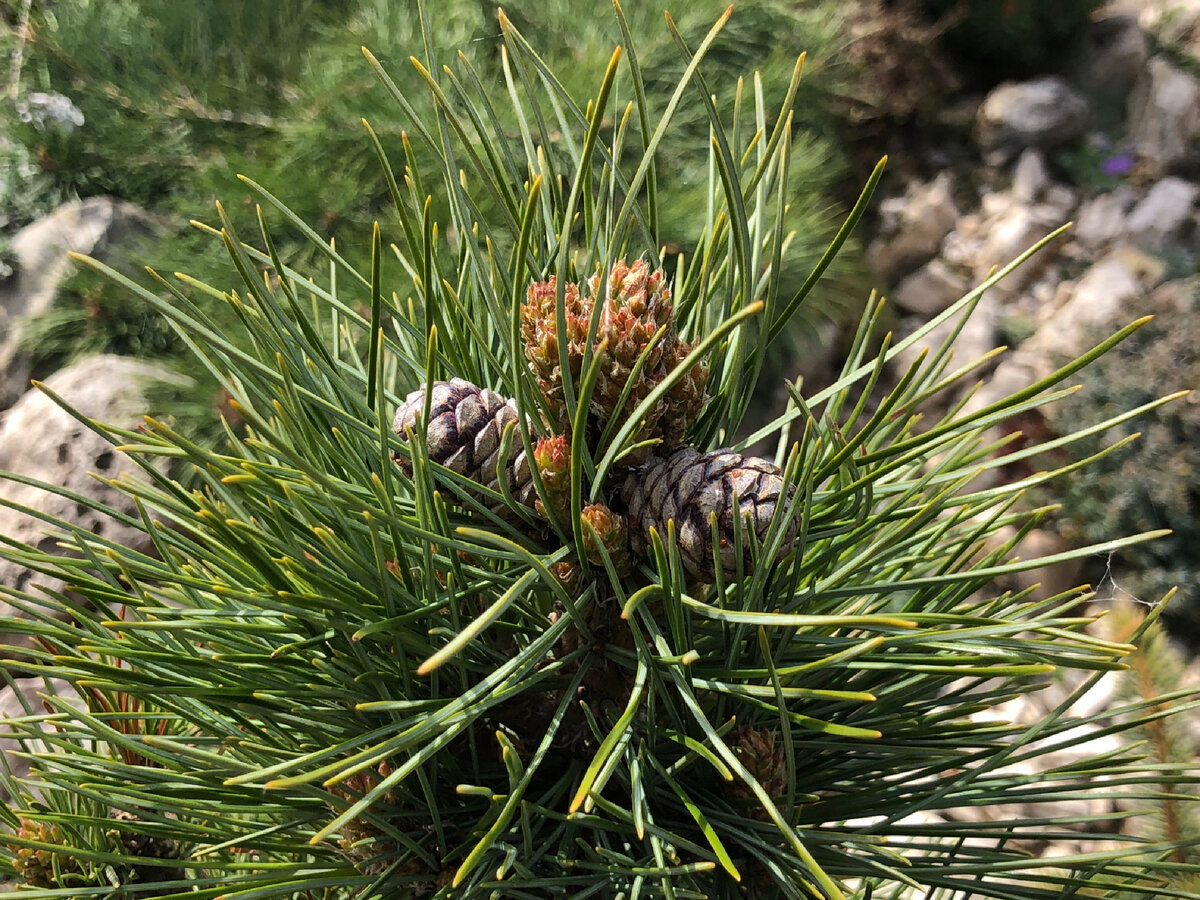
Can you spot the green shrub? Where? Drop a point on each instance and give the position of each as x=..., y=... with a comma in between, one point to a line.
x=161, y=85
x=1157, y=670
x=26, y=192
x=1155, y=483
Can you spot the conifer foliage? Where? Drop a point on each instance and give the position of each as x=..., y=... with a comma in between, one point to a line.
x=444, y=620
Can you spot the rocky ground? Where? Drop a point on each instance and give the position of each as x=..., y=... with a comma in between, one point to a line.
x=1037, y=161
x=1111, y=143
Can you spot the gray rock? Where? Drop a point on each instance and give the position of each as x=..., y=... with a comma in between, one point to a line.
x=1058, y=203
x=23, y=696
x=977, y=338
x=83, y=226
x=1044, y=113
x=1030, y=176
x=1174, y=23
x=1103, y=219
x=1110, y=286
x=993, y=204
x=913, y=228
x=40, y=440
x=1010, y=234
x=1104, y=288
x=930, y=289
x=1161, y=216
x=1164, y=114
x=961, y=246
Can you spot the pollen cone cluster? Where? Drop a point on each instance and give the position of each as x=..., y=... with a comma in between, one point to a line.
x=635, y=349
x=40, y=865
x=722, y=504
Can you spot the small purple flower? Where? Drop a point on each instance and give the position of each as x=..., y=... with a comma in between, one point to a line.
x=1118, y=166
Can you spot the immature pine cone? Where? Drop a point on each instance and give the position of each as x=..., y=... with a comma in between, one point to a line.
x=40, y=867
x=466, y=425
x=688, y=487
x=763, y=758
x=636, y=304
x=610, y=530
x=368, y=848
x=552, y=455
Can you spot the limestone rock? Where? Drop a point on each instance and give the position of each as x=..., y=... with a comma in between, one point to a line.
x=15, y=699
x=1030, y=176
x=1149, y=269
x=1164, y=115
x=913, y=228
x=1173, y=23
x=1044, y=113
x=1162, y=215
x=930, y=289
x=977, y=338
x=961, y=246
x=1108, y=287
x=1104, y=218
x=39, y=440
x=1099, y=295
x=82, y=226
x=1010, y=234
x=1059, y=202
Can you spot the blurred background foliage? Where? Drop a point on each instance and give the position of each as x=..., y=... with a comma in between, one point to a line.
x=998, y=39
x=176, y=98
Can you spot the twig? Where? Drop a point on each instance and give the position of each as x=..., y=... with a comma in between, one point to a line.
x=18, y=55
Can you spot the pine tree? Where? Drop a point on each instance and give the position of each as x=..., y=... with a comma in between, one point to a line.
x=370, y=658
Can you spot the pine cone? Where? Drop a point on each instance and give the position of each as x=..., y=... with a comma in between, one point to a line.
x=369, y=849
x=636, y=303
x=40, y=867
x=466, y=426
x=146, y=847
x=684, y=401
x=765, y=760
x=688, y=487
